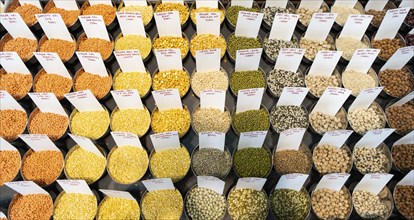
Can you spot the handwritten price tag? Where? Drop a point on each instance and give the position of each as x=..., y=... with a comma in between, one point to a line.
x=292, y=181
x=211, y=182
x=356, y=25
x=249, y=99
x=130, y=61
x=131, y=23
x=86, y=144
x=94, y=26
x=126, y=139
x=117, y=194
x=158, y=184
x=208, y=60
x=168, y=23
x=290, y=139
x=84, y=101
x=374, y=138
x=373, y=182
x=75, y=186
x=320, y=25
x=365, y=98
x=165, y=141
x=333, y=181
x=289, y=59
x=127, y=99
x=47, y=102
x=248, y=60
x=208, y=23
x=335, y=138
x=52, y=64
x=254, y=139
x=15, y=26
x=12, y=63
x=331, y=100
x=212, y=139
x=4, y=145
x=251, y=183
x=8, y=102
x=92, y=63
x=325, y=63
x=391, y=23
x=54, y=26
x=38, y=142
x=213, y=99
x=283, y=26
x=248, y=24
x=167, y=99
x=169, y=59
x=362, y=60
x=26, y=187
x=292, y=96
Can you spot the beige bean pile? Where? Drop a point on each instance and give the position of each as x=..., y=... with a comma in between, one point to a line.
x=348, y=46
x=209, y=80
x=330, y=159
x=369, y=205
x=357, y=81
x=370, y=160
x=318, y=84
x=305, y=15
x=322, y=123
x=329, y=204
x=363, y=120
x=312, y=46
x=343, y=13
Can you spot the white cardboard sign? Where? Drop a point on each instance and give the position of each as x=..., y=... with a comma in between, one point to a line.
x=38, y=142
x=165, y=141
x=289, y=59
x=404, y=100
x=373, y=182
x=244, y=3
x=293, y=181
x=391, y=23
x=356, y=25
x=311, y=4
x=169, y=59
x=292, y=96
x=117, y=194
x=406, y=3
x=248, y=24
x=135, y=2
x=52, y=64
x=251, y=183
x=131, y=23
x=376, y=5
x=127, y=99
x=407, y=139
x=206, y=3
x=54, y=26
x=365, y=98
x=213, y=99
x=249, y=99
x=2, y=215
x=130, y=61
x=66, y=4
x=94, y=26
x=15, y=26
x=75, y=186
x=408, y=179
x=158, y=184
x=208, y=23
x=399, y=58
x=12, y=63
x=26, y=187
x=4, y=145
x=84, y=101
x=208, y=60
x=320, y=25
x=96, y=2
x=333, y=181
x=335, y=138
x=167, y=99
x=290, y=139
x=212, y=139
x=283, y=26
x=345, y=3
x=254, y=139
x=31, y=2
x=211, y=182
x=168, y=23
x=276, y=3
x=126, y=139
x=47, y=102
x=8, y=102
x=362, y=60
x=92, y=63
x=86, y=144
x=248, y=60
x=332, y=100
x=325, y=62
x=374, y=138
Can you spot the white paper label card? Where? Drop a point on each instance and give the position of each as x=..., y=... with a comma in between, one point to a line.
x=373, y=182
x=123, y=139
x=208, y=60
x=365, y=98
x=391, y=23
x=86, y=144
x=66, y=4
x=335, y=138
x=168, y=23
x=117, y=194
x=292, y=96
x=333, y=181
x=311, y=4
x=165, y=141
x=374, y=138
x=404, y=100
x=345, y=3
x=135, y=2
x=94, y=26
x=47, y=102
x=283, y=26
x=158, y=184
x=289, y=59
x=38, y=142
x=173, y=1
x=167, y=99
x=212, y=139
x=276, y=3
x=376, y=5
x=12, y=63
x=243, y=3
x=213, y=99
x=248, y=60
x=127, y=99
x=249, y=99
x=131, y=23
x=251, y=183
x=54, y=26
x=399, y=58
x=31, y=2
x=248, y=24
x=356, y=25
x=8, y=102
x=208, y=23
x=97, y=2
x=2, y=215
x=84, y=101
x=26, y=187
x=407, y=180
x=75, y=186
x=332, y=100
x=52, y=64
x=130, y=61
x=254, y=139
x=206, y=3
x=169, y=59
x=406, y=3
x=15, y=26
x=325, y=63
x=211, y=182
x=407, y=139
x=290, y=139
x=362, y=60
x=293, y=181
x=92, y=63
x=4, y=145
x=320, y=25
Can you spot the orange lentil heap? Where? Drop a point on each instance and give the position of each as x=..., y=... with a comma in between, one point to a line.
x=12, y=123
x=68, y=16
x=9, y=165
x=51, y=124
x=24, y=47
x=65, y=49
x=32, y=206
x=56, y=84
x=18, y=85
x=26, y=11
x=98, y=45
x=98, y=85
x=108, y=12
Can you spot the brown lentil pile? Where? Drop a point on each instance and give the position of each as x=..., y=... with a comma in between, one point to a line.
x=371, y=160
x=108, y=12
x=207, y=41
x=293, y=161
x=215, y=80
x=363, y=120
x=68, y=16
x=32, y=206
x=401, y=118
x=397, y=83
x=97, y=45
x=330, y=159
x=135, y=42
x=211, y=119
x=387, y=47
x=85, y=208
x=9, y=165
x=322, y=123
x=403, y=156
x=172, y=42
x=16, y=84
x=194, y=12
x=42, y=167
x=172, y=163
x=211, y=162
x=98, y=85
x=312, y=46
x=318, y=84
x=26, y=11
x=171, y=120
x=56, y=84
x=133, y=80
x=92, y=125
x=22, y=46
x=371, y=206
x=404, y=200
x=51, y=124
x=183, y=10
x=147, y=12
x=12, y=123
x=136, y=121
x=172, y=79
x=329, y=204
x=378, y=16
x=162, y=204
x=65, y=49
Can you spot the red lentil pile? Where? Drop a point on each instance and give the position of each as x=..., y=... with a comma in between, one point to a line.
x=26, y=11
x=22, y=46
x=101, y=46
x=98, y=85
x=108, y=12
x=56, y=84
x=33, y=206
x=51, y=124
x=65, y=49
x=9, y=165
x=12, y=123
x=18, y=85
x=68, y=16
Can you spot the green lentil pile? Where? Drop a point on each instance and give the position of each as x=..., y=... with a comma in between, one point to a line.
x=136, y=121
x=162, y=204
x=277, y=79
x=247, y=204
x=252, y=120
x=293, y=161
x=246, y=80
x=252, y=162
x=232, y=13
x=133, y=80
x=65, y=208
x=287, y=117
x=211, y=162
x=117, y=208
x=172, y=163
x=241, y=43
x=203, y=203
x=134, y=42
x=289, y=204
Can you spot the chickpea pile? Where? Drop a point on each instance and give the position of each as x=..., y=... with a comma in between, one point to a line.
x=305, y=15
x=318, y=84
x=312, y=46
x=329, y=159
x=397, y=83
x=363, y=120
x=322, y=123
x=203, y=203
x=404, y=200
x=371, y=160
x=387, y=47
x=371, y=206
x=401, y=117
x=329, y=204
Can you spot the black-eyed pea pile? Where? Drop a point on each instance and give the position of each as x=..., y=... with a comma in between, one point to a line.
x=363, y=120
x=370, y=206
x=371, y=160
x=329, y=204
x=330, y=159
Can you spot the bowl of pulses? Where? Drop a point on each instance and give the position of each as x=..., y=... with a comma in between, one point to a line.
x=108, y=12
x=364, y=120
x=400, y=117
x=194, y=10
x=330, y=159
x=210, y=119
x=235, y=43
x=141, y=81
x=378, y=15
x=52, y=124
x=135, y=42
x=183, y=10
x=397, y=83
x=65, y=49
x=290, y=204
x=98, y=45
x=162, y=204
x=240, y=80
x=305, y=15
x=172, y=163
x=278, y=79
x=207, y=41
x=358, y=81
x=166, y=42
x=247, y=204
x=127, y=164
x=91, y=124
x=136, y=121
x=403, y=196
x=16, y=84
x=147, y=12
x=10, y=166
x=99, y=85
x=252, y=120
x=312, y=47
x=171, y=120
x=317, y=84
x=252, y=162
x=211, y=162
x=12, y=123
x=330, y=204
x=31, y=206
x=232, y=13
x=70, y=17
x=344, y=12
x=118, y=208
x=289, y=116
x=272, y=47
x=172, y=79
x=24, y=47
x=321, y=122
x=372, y=160
x=209, y=80
x=53, y=83
x=203, y=203
x=349, y=45
x=293, y=161
x=85, y=208
x=270, y=12
x=387, y=46
x=26, y=11
x=370, y=206
x=402, y=155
